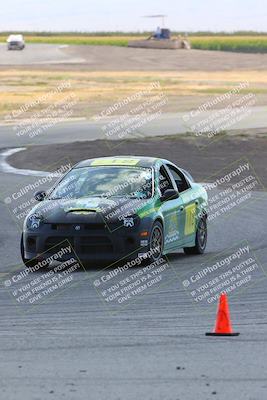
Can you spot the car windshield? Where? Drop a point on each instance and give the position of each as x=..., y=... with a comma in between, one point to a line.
x=106, y=181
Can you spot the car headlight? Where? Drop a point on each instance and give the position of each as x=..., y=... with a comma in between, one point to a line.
x=34, y=221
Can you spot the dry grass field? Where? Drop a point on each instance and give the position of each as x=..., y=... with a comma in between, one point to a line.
x=97, y=90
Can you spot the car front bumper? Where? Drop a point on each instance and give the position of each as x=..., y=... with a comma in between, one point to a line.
x=89, y=242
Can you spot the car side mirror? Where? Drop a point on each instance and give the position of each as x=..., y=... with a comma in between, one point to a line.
x=40, y=196
x=169, y=194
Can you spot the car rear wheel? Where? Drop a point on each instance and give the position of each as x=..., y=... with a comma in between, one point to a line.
x=156, y=242
x=201, y=238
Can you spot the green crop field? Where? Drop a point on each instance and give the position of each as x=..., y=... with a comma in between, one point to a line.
x=248, y=44
x=245, y=44
x=78, y=40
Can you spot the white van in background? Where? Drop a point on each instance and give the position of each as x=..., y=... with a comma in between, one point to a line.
x=15, y=42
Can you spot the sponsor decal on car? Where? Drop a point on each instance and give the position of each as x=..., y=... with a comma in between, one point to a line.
x=190, y=219
x=116, y=161
x=128, y=222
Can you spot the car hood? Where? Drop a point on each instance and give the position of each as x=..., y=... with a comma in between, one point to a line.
x=89, y=209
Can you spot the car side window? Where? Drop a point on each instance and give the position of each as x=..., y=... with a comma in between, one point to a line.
x=180, y=180
x=164, y=180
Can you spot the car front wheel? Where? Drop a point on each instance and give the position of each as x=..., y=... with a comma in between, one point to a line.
x=156, y=241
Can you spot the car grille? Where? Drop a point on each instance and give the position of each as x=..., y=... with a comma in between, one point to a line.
x=95, y=244
x=82, y=244
x=71, y=227
x=55, y=241
x=100, y=226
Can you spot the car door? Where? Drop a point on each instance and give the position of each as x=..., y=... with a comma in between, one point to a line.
x=189, y=201
x=173, y=212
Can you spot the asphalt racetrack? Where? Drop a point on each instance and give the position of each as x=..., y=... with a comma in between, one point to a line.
x=35, y=54
x=75, y=346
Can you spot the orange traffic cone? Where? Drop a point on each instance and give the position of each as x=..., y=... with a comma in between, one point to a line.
x=223, y=326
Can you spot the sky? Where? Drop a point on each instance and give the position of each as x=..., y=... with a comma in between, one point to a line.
x=126, y=15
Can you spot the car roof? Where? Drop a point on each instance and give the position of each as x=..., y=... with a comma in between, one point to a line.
x=15, y=37
x=131, y=161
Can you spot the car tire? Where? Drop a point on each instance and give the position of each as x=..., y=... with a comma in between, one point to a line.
x=200, y=239
x=156, y=240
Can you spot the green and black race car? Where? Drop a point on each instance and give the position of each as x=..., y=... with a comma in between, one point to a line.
x=118, y=207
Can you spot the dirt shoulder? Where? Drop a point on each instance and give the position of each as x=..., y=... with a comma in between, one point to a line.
x=114, y=58
x=202, y=163
x=103, y=58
